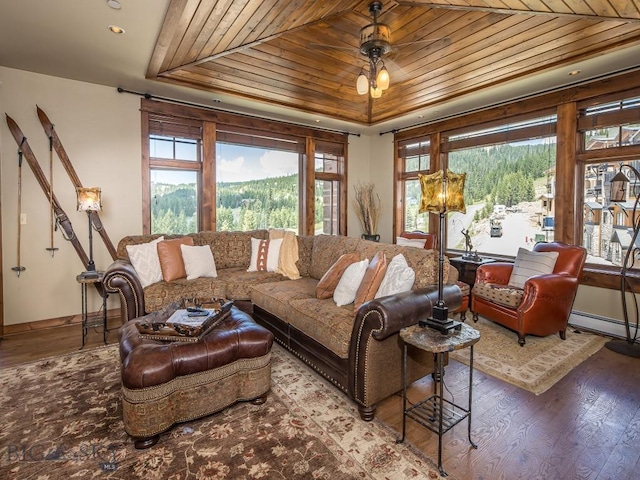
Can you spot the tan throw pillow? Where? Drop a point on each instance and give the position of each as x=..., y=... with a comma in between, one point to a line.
x=170, y=256
x=372, y=279
x=144, y=258
x=329, y=281
x=529, y=264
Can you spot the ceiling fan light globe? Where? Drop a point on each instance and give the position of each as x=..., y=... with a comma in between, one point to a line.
x=362, y=84
x=383, y=78
x=376, y=92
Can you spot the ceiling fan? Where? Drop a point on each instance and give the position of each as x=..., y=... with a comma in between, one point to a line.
x=375, y=42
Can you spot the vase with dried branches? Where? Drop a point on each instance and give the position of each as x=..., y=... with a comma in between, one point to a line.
x=367, y=204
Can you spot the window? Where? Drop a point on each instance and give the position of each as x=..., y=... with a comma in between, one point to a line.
x=625, y=132
x=330, y=188
x=205, y=170
x=175, y=165
x=610, y=136
x=174, y=207
x=414, y=158
x=256, y=188
x=509, y=189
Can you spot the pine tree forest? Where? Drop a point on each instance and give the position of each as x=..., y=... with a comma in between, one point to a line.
x=497, y=174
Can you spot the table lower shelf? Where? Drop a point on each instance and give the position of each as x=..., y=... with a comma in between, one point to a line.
x=427, y=414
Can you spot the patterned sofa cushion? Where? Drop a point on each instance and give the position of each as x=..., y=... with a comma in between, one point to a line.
x=230, y=249
x=275, y=297
x=239, y=282
x=161, y=294
x=500, y=294
x=325, y=322
x=326, y=250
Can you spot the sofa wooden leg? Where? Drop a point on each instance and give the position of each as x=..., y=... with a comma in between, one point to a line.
x=367, y=413
x=142, y=443
x=475, y=317
x=260, y=400
x=563, y=334
x=521, y=340
x=463, y=315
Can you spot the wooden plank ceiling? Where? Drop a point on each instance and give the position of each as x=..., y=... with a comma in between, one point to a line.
x=304, y=54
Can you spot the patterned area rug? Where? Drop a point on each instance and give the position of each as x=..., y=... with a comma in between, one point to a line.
x=61, y=418
x=538, y=365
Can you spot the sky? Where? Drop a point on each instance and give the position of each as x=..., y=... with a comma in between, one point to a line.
x=237, y=163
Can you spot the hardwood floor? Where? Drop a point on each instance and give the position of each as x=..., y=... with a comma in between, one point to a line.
x=587, y=426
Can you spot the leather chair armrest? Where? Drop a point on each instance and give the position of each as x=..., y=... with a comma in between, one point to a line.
x=121, y=278
x=498, y=273
x=548, y=296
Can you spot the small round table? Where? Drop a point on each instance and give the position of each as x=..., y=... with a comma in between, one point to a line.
x=437, y=413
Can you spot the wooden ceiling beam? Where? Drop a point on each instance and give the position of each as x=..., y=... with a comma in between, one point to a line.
x=513, y=11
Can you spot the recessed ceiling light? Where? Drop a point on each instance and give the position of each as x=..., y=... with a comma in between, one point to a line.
x=573, y=73
x=420, y=116
x=317, y=120
x=115, y=4
x=116, y=29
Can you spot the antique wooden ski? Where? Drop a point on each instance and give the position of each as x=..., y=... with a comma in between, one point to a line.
x=49, y=129
x=61, y=216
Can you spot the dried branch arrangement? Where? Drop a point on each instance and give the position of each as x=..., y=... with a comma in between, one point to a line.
x=367, y=205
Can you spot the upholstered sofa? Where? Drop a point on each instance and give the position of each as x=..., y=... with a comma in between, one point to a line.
x=359, y=351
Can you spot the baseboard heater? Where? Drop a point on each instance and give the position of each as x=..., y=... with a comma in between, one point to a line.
x=597, y=323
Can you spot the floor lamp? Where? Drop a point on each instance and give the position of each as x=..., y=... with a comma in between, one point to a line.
x=89, y=201
x=442, y=193
x=619, y=184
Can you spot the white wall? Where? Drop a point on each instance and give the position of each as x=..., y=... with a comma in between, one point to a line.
x=358, y=171
x=100, y=130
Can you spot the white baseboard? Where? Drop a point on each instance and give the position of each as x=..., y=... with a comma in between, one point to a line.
x=608, y=326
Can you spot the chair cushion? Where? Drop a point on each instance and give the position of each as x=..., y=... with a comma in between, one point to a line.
x=529, y=264
x=500, y=294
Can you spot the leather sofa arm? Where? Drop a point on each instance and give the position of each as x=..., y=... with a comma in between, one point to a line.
x=383, y=317
x=121, y=278
x=497, y=272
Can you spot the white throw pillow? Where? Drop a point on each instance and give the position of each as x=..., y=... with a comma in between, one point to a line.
x=411, y=242
x=198, y=261
x=529, y=264
x=265, y=255
x=345, y=292
x=399, y=277
x=145, y=261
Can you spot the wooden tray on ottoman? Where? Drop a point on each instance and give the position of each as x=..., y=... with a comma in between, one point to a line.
x=181, y=323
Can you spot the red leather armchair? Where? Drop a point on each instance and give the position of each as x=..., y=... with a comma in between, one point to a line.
x=546, y=299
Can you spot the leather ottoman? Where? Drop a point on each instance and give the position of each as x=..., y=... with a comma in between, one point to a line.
x=164, y=383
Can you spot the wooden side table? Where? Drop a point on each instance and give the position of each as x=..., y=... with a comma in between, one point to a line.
x=467, y=268
x=437, y=413
x=85, y=279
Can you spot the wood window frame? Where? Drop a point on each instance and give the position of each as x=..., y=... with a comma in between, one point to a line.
x=213, y=123
x=570, y=159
